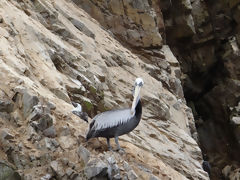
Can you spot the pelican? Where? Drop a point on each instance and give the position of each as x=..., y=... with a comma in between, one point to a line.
x=114, y=123
x=78, y=112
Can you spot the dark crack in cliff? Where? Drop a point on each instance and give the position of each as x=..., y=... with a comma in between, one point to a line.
x=204, y=36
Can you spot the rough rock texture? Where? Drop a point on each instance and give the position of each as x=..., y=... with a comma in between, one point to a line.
x=137, y=23
x=53, y=53
x=7, y=172
x=207, y=46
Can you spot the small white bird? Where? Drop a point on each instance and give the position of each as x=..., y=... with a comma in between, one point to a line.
x=78, y=112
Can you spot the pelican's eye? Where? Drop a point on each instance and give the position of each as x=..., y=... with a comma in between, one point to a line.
x=140, y=84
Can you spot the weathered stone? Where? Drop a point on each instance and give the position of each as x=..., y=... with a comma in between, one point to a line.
x=177, y=106
x=46, y=177
x=28, y=101
x=235, y=120
x=111, y=160
x=66, y=142
x=36, y=113
x=20, y=160
x=64, y=131
x=45, y=122
x=134, y=37
x=185, y=26
x=138, y=12
x=51, y=106
x=97, y=168
x=84, y=154
x=50, y=132
x=4, y=134
x=235, y=174
x=81, y=27
x=78, y=177
x=164, y=111
x=32, y=134
x=69, y=172
x=152, y=177
x=199, y=13
x=61, y=30
x=61, y=94
x=5, y=116
x=50, y=144
x=6, y=106
x=132, y=175
x=169, y=140
x=226, y=171
x=8, y=173
x=176, y=87
x=126, y=166
x=74, y=175
x=113, y=169
x=57, y=168
x=117, y=177
x=125, y=177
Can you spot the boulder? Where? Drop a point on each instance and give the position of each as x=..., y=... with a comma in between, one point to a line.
x=66, y=142
x=132, y=175
x=7, y=172
x=6, y=106
x=28, y=101
x=96, y=168
x=50, y=132
x=57, y=168
x=83, y=153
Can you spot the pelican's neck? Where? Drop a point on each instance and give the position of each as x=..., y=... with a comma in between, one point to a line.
x=136, y=98
x=138, y=109
x=138, y=102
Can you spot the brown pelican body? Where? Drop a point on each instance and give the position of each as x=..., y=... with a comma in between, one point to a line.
x=111, y=124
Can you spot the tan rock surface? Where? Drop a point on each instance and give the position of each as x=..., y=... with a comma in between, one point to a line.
x=44, y=53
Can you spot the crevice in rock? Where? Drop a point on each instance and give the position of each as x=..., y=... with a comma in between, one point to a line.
x=210, y=75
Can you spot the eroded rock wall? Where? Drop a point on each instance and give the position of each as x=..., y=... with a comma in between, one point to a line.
x=53, y=53
x=137, y=23
x=207, y=46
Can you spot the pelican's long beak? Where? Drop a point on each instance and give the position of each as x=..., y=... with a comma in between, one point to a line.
x=135, y=98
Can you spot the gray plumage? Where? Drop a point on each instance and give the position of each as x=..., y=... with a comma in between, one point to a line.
x=115, y=123
x=117, y=117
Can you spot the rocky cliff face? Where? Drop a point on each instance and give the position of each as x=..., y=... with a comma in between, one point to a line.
x=53, y=53
x=207, y=46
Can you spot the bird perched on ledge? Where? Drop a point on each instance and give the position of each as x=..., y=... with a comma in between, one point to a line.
x=78, y=112
x=114, y=123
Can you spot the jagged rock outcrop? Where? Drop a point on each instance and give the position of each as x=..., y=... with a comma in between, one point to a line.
x=137, y=23
x=53, y=53
x=7, y=172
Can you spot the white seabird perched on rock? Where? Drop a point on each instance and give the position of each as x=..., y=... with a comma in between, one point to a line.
x=78, y=111
x=114, y=123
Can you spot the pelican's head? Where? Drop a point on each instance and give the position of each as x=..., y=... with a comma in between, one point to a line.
x=139, y=82
x=136, y=94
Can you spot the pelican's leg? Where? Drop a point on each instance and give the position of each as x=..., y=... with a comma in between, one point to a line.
x=117, y=143
x=108, y=143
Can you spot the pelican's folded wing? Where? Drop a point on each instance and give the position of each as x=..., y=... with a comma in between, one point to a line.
x=110, y=119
